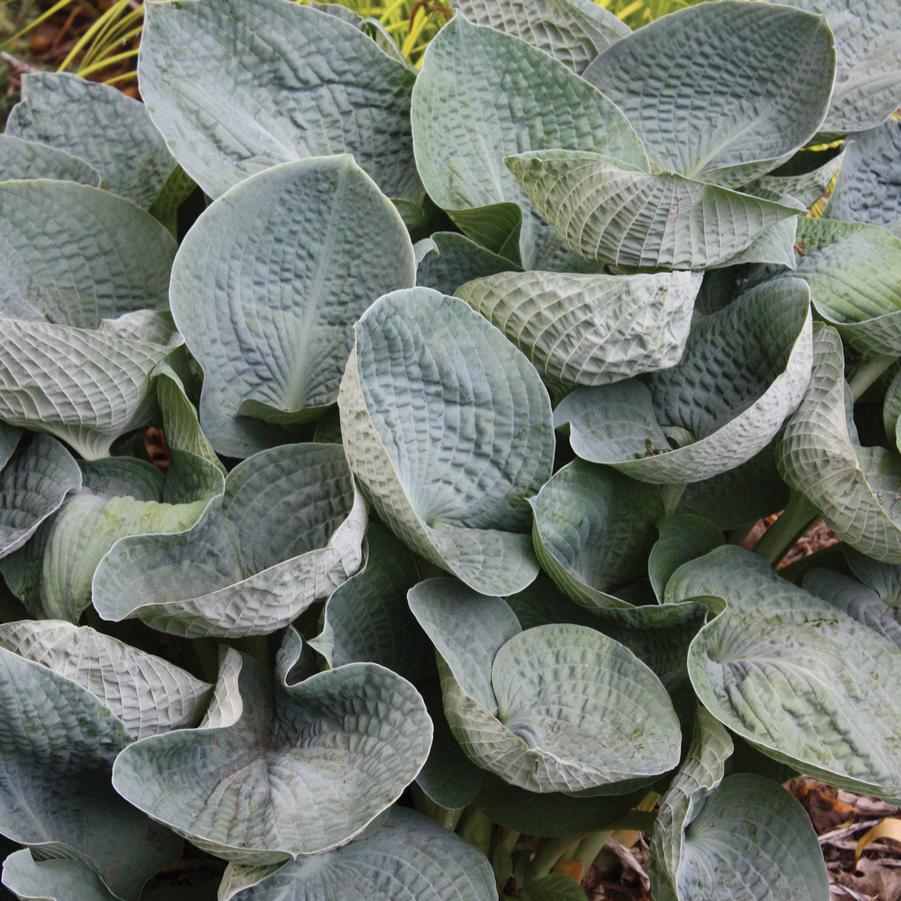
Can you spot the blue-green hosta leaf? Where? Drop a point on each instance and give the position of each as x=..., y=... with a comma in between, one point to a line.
x=868, y=188
x=287, y=532
x=745, y=832
x=448, y=428
x=275, y=82
x=744, y=370
x=483, y=95
x=807, y=185
x=631, y=216
x=703, y=116
x=854, y=273
x=891, y=411
x=271, y=333
x=148, y=694
x=118, y=497
x=367, y=618
x=855, y=488
x=593, y=530
x=445, y=260
x=572, y=31
x=33, y=485
x=96, y=123
x=277, y=771
x=52, y=880
x=177, y=188
x=589, y=329
x=883, y=578
x=369, y=25
x=21, y=159
x=683, y=537
x=805, y=683
x=557, y=708
x=9, y=440
x=58, y=741
x=868, y=66
x=99, y=276
x=405, y=857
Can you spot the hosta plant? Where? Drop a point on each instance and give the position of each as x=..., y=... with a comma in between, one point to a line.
x=381, y=448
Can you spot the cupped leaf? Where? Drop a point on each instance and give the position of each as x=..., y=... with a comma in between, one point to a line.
x=367, y=618
x=52, y=880
x=593, y=531
x=702, y=116
x=802, y=681
x=9, y=440
x=147, y=693
x=448, y=428
x=868, y=188
x=405, y=857
x=96, y=123
x=446, y=260
x=798, y=178
x=21, y=159
x=855, y=488
x=631, y=216
x=276, y=82
x=572, y=31
x=276, y=771
x=584, y=330
x=557, y=708
x=118, y=497
x=523, y=100
x=883, y=578
x=891, y=411
x=744, y=370
x=868, y=66
x=58, y=743
x=287, y=532
x=33, y=485
x=854, y=273
x=272, y=333
x=683, y=537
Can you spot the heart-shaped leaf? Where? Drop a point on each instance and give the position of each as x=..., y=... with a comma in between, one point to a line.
x=273, y=334
x=404, y=855
x=683, y=537
x=318, y=760
x=448, y=428
x=807, y=183
x=589, y=329
x=744, y=370
x=52, y=880
x=805, y=683
x=855, y=488
x=21, y=159
x=445, y=260
x=287, y=532
x=593, y=531
x=276, y=82
x=460, y=155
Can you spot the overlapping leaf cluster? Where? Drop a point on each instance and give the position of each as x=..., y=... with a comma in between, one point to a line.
x=471, y=381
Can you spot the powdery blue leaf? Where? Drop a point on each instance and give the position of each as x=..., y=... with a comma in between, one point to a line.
x=883, y=578
x=33, y=486
x=553, y=709
x=98, y=124
x=572, y=31
x=275, y=82
x=868, y=66
x=21, y=159
x=405, y=856
x=807, y=184
x=683, y=537
x=589, y=329
x=367, y=618
x=705, y=117
x=855, y=488
x=58, y=741
x=117, y=497
x=483, y=95
x=593, y=530
x=277, y=771
x=52, y=880
x=287, y=532
x=272, y=333
x=744, y=370
x=624, y=215
x=448, y=428
x=446, y=260
x=803, y=682
x=868, y=188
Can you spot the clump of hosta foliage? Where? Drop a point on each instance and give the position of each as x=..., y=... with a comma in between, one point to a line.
x=465, y=385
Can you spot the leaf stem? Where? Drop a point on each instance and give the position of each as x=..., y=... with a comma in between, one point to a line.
x=553, y=850
x=672, y=495
x=502, y=856
x=797, y=518
x=868, y=370
x=443, y=816
x=590, y=847
x=475, y=829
